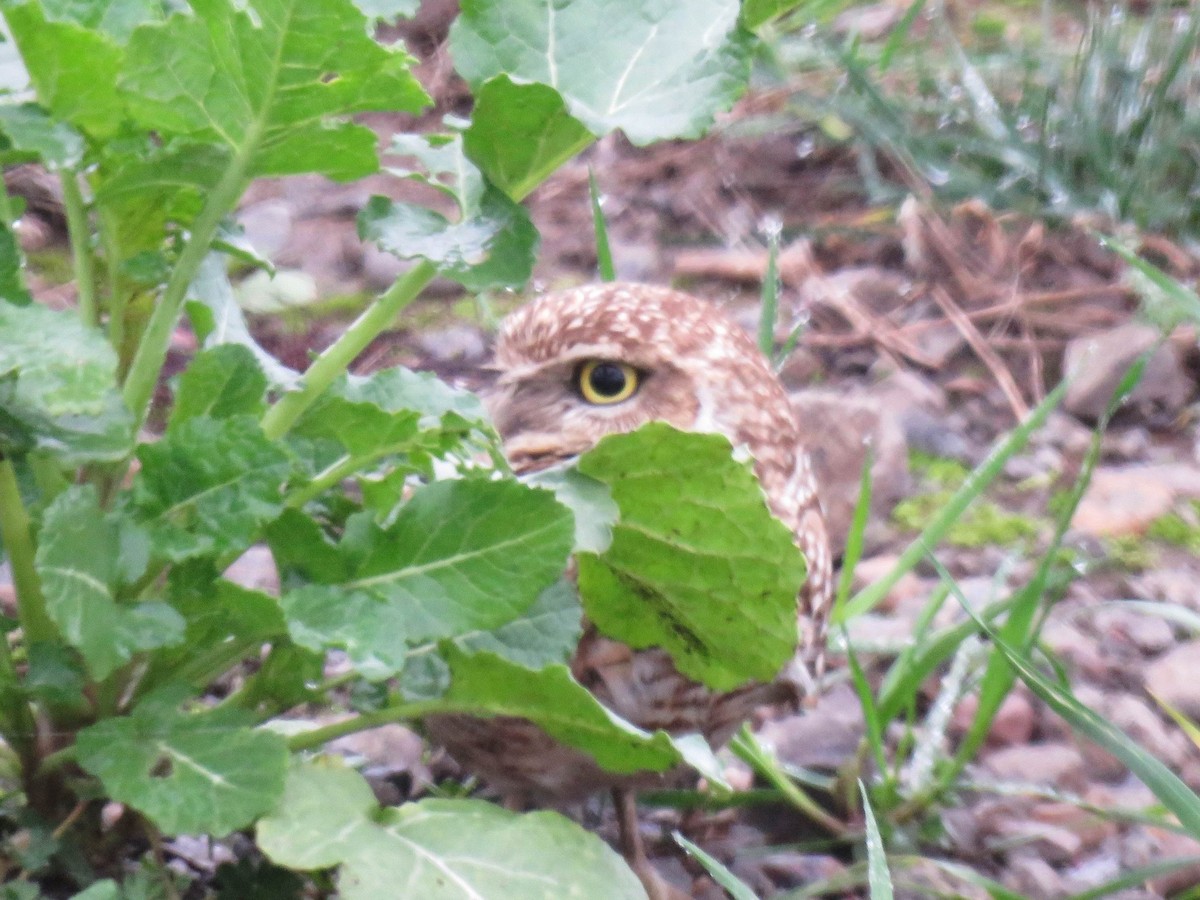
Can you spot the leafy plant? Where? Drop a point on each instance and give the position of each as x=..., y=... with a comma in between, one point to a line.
x=401, y=540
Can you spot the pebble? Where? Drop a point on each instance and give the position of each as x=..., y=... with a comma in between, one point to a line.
x=1174, y=678
x=1059, y=765
x=1096, y=363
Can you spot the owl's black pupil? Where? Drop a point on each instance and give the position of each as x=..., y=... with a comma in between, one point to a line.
x=607, y=379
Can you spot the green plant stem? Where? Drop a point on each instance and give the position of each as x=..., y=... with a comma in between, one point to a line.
x=318, y=737
x=337, y=357
x=79, y=233
x=14, y=525
x=152, y=348
x=7, y=217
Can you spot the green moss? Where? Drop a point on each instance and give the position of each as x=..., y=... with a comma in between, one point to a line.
x=983, y=524
x=1129, y=552
x=1177, y=530
x=939, y=470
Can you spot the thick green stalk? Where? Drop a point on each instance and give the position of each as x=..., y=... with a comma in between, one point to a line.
x=318, y=737
x=14, y=525
x=152, y=348
x=338, y=356
x=81, y=252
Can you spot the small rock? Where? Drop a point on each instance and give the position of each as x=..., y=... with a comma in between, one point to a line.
x=1172, y=678
x=1032, y=876
x=846, y=426
x=909, y=589
x=267, y=225
x=1013, y=723
x=255, y=569
x=1123, y=501
x=823, y=737
x=1097, y=363
x=1176, y=586
x=1059, y=765
x=1149, y=634
x=454, y=344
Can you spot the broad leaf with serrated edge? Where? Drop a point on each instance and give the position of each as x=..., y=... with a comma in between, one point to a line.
x=697, y=565
x=79, y=560
x=208, y=486
x=66, y=401
x=545, y=634
x=217, y=319
x=461, y=556
x=31, y=135
x=487, y=685
x=436, y=849
x=220, y=382
x=272, y=81
x=493, y=241
x=655, y=71
x=189, y=773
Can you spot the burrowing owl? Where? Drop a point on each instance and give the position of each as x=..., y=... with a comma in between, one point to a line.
x=580, y=364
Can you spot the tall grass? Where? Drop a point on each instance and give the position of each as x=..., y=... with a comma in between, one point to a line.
x=1108, y=124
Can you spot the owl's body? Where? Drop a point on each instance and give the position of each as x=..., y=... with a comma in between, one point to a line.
x=691, y=367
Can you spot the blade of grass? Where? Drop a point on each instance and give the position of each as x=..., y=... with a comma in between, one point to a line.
x=604, y=260
x=983, y=475
x=899, y=34
x=768, y=314
x=871, y=716
x=1174, y=794
x=734, y=886
x=854, y=540
x=1136, y=878
x=879, y=879
x=1187, y=725
x=1184, y=303
x=747, y=748
x=1022, y=626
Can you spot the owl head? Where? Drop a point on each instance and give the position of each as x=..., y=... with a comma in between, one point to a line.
x=579, y=364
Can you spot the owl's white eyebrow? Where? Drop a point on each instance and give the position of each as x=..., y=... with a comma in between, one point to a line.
x=576, y=354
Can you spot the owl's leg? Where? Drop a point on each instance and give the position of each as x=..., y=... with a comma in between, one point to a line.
x=635, y=852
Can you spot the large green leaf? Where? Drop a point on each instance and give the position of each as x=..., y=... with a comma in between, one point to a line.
x=697, y=565
x=30, y=134
x=222, y=381
x=488, y=685
x=435, y=849
x=491, y=244
x=208, y=486
x=79, y=559
x=189, y=773
x=461, y=556
x=272, y=80
x=653, y=70
x=72, y=66
x=521, y=133
x=217, y=319
x=65, y=401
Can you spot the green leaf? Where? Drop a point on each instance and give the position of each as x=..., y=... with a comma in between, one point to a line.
x=220, y=382
x=460, y=557
x=698, y=565
x=189, y=773
x=208, y=486
x=435, y=849
x=78, y=559
x=388, y=10
x=487, y=685
x=65, y=402
x=73, y=67
x=491, y=245
x=12, y=278
x=115, y=18
x=656, y=71
x=734, y=886
x=272, y=81
x=520, y=134
x=29, y=135
x=879, y=879
x=217, y=319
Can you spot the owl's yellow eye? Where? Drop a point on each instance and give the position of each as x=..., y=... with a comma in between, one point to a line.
x=603, y=381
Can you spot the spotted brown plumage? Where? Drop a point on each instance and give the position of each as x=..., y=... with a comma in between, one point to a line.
x=697, y=371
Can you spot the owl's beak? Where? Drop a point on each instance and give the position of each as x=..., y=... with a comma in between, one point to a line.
x=536, y=452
